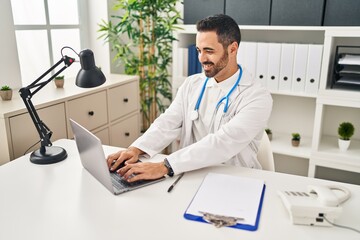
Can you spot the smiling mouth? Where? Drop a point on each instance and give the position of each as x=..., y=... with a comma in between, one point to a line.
x=207, y=66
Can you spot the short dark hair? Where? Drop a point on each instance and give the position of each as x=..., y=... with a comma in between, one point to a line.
x=225, y=27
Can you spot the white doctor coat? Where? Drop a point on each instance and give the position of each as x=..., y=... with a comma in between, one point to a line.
x=234, y=142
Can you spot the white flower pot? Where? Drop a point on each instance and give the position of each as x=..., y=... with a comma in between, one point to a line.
x=344, y=145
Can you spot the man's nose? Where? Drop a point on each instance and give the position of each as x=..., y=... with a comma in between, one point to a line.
x=201, y=57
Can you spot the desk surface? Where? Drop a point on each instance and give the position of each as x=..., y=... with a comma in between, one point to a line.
x=63, y=201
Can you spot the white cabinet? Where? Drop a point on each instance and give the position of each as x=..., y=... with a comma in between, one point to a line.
x=90, y=110
x=314, y=114
x=125, y=131
x=110, y=111
x=24, y=134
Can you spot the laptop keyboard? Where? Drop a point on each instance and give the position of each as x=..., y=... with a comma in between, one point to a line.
x=120, y=183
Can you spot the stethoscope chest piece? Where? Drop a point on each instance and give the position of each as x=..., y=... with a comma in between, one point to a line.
x=194, y=115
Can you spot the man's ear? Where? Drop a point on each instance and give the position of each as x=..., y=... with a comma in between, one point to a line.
x=233, y=47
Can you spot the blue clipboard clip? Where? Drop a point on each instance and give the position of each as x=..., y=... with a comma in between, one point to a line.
x=220, y=221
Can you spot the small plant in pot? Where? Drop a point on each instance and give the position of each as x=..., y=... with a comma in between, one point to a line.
x=6, y=93
x=295, y=140
x=269, y=133
x=59, y=81
x=346, y=131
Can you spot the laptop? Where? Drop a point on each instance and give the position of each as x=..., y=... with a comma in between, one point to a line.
x=93, y=159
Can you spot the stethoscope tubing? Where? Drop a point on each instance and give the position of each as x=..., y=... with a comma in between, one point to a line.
x=194, y=116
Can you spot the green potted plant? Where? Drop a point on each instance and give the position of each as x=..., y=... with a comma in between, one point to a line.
x=295, y=140
x=269, y=133
x=346, y=131
x=59, y=81
x=148, y=27
x=6, y=93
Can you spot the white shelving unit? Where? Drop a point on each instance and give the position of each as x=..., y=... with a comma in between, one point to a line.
x=315, y=116
x=334, y=107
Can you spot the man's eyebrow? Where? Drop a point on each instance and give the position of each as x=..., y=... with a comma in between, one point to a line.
x=206, y=49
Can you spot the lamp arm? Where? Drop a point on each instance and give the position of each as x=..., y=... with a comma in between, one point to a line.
x=26, y=95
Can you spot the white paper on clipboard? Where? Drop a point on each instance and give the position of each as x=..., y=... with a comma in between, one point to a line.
x=231, y=196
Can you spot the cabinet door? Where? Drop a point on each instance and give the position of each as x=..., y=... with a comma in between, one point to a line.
x=342, y=13
x=297, y=13
x=123, y=133
x=123, y=100
x=103, y=135
x=23, y=131
x=245, y=12
x=195, y=10
x=90, y=111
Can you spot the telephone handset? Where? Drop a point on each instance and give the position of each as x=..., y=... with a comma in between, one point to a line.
x=327, y=195
x=310, y=208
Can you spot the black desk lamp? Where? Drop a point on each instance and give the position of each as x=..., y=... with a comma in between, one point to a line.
x=89, y=76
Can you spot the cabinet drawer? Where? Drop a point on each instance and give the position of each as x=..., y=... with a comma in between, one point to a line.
x=123, y=99
x=103, y=135
x=123, y=133
x=90, y=111
x=24, y=133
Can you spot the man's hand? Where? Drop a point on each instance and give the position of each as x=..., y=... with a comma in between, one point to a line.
x=142, y=171
x=130, y=155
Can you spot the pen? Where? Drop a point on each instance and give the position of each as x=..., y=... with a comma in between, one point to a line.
x=176, y=181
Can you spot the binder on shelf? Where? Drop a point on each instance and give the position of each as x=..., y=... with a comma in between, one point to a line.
x=313, y=68
x=274, y=54
x=238, y=205
x=250, y=53
x=262, y=62
x=194, y=66
x=300, y=64
x=286, y=66
x=240, y=57
x=347, y=68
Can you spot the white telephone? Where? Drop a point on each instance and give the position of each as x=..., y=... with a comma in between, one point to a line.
x=309, y=208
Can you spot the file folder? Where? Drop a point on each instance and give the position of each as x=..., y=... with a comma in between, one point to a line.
x=240, y=57
x=262, y=62
x=194, y=66
x=274, y=55
x=313, y=68
x=286, y=66
x=230, y=196
x=300, y=64
x=250, y=58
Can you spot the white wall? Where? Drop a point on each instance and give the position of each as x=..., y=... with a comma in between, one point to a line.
x=9, y=62
x=98, y=11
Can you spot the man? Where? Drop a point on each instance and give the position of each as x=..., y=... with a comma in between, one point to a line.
x=219, y=115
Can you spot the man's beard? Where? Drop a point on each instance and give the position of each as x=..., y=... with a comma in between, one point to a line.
x=216, y=68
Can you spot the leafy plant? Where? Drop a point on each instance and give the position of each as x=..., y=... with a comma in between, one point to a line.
x=59, y=77
x=346, y=130
x=5, y=88
x=268, y=131
x=296, y=136
x=149, y=25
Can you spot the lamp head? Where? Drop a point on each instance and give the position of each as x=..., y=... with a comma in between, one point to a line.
x=89, y=75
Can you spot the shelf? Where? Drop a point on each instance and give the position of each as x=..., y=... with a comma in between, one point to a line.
x=294, y=94
x=281, y=144
x=307, y=35
x=329, y=148
x=339, y=98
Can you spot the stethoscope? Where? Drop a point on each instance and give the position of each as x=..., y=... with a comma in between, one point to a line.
x=194, y=115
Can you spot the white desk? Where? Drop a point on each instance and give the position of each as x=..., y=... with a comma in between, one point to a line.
x=63, y=201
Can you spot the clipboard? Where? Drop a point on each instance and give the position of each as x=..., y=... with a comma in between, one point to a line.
x=225, y=198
